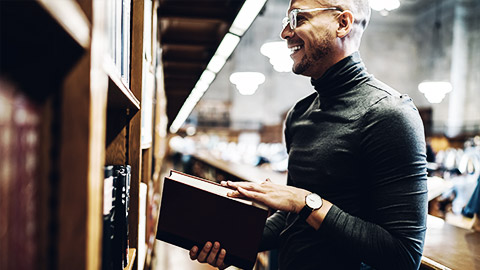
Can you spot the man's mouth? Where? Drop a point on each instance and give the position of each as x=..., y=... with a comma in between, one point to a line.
x=295, y=49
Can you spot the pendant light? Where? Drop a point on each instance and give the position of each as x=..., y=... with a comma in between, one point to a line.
x=435, y=88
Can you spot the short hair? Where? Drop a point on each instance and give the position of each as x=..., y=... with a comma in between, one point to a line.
x=361, y=12
x=360, y=9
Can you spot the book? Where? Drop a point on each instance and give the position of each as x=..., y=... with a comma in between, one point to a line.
x=7, y=175
x=108, y=218
x=121, y=180
x=195, y=210
x=142, y=248
x=20, y=180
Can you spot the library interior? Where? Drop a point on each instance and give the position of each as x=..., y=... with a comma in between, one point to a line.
x=104, y=105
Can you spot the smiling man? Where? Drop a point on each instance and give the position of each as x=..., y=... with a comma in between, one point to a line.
x=356, y=195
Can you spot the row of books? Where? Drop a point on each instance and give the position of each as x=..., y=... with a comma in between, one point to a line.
x=118, y=27
x=20, y=178
x=116, y=199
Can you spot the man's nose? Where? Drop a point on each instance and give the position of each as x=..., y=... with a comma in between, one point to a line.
x=286, y=32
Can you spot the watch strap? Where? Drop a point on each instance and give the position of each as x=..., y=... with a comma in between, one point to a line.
x=305, y=212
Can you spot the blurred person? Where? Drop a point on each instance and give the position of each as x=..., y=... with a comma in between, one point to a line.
x=472, y=209
x=356, y=194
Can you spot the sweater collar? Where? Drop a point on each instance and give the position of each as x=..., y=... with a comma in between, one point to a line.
x=341, y=77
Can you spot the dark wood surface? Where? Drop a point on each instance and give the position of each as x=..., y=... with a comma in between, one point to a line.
x=451, y=246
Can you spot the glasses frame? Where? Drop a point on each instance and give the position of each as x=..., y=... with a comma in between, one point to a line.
x=292, y=15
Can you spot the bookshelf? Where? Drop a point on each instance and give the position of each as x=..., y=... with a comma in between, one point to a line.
x=59, y=59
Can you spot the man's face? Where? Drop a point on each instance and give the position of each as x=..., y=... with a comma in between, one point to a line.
x=313, y=39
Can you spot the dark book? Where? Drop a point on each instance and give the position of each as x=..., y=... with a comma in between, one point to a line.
x=121, y=184
x=7, y=176
x=194, y=210
x=108, y=215
x=20, y=140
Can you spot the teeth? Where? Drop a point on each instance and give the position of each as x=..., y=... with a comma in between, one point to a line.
x=296, y=48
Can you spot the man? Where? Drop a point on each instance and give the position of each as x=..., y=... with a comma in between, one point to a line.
x=356, y=195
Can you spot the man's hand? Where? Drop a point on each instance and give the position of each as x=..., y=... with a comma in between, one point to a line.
x=209, y=253
x=278, y=197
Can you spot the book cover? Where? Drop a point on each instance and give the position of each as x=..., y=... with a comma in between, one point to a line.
x=108, y=219
x=121, y=180
x=7, y=177
x=20, y=178
x=194, y=211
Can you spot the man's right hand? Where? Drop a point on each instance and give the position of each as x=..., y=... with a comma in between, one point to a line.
x=208, y=254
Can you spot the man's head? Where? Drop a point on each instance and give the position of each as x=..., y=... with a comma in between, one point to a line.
x=326, y=32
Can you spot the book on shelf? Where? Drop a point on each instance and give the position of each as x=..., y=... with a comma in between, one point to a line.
x=195, y=210
x=20, y=148
x=125, y=40
x=118, y=35
x=108, y=219
x=142, y=219
x=118, y=29
x=115, y=216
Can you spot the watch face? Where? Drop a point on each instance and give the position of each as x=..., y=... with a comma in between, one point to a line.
x=314, y=201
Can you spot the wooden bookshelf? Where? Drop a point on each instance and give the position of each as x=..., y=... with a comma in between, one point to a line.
x=54, y=55
x=70, y=16
x=119, y=94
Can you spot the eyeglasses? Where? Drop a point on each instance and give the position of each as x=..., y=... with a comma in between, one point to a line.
x=292, y=16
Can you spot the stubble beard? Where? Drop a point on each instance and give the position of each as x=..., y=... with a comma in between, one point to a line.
x=309, y=61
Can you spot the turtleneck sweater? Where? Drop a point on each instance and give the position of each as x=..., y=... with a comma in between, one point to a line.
x=360, y=145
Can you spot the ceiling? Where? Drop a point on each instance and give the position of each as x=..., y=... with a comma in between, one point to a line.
x=190, y=32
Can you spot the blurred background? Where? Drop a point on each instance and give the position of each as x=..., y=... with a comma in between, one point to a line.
x=415, y=42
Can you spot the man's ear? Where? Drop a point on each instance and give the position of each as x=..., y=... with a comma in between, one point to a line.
x=345, y=23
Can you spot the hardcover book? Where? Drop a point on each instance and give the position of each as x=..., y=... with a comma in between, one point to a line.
x=195, y=210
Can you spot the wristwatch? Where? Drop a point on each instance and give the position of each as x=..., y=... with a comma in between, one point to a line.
x=312, y=202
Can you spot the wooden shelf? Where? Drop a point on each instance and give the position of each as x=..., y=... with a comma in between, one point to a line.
x=449, y=247
x=71, y=17
x=131, y=258
x=146, y=145
x=119, y=94
x=37, y=52
x=53, y=53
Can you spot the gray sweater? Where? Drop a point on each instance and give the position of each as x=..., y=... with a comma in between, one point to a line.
x=360, y=145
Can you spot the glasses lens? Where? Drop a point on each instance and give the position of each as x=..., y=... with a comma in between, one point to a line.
x=285, y=21
x=293, y=19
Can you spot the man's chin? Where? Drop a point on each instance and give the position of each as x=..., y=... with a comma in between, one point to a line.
x=299, y=69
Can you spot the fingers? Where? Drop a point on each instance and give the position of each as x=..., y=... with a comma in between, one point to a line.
x=249, y=194
x=193, y=253
x=213, y=254
x=245, y=185
x=209, y=254
x=205, y=250
x=221, y=258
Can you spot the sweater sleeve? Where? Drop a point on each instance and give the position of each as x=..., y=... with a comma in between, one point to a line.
x=393, y=155
x=273, y=227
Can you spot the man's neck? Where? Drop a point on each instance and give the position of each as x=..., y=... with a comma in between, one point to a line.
x=337, y=58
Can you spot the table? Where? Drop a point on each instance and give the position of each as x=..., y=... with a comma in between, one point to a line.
x=450, y=247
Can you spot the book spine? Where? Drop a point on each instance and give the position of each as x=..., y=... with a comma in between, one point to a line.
x=6, y=172
x=118, y=36
x=128, y=179
x=23, y=183
x=108, y=226
x=126, y=32
x=122, y=174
